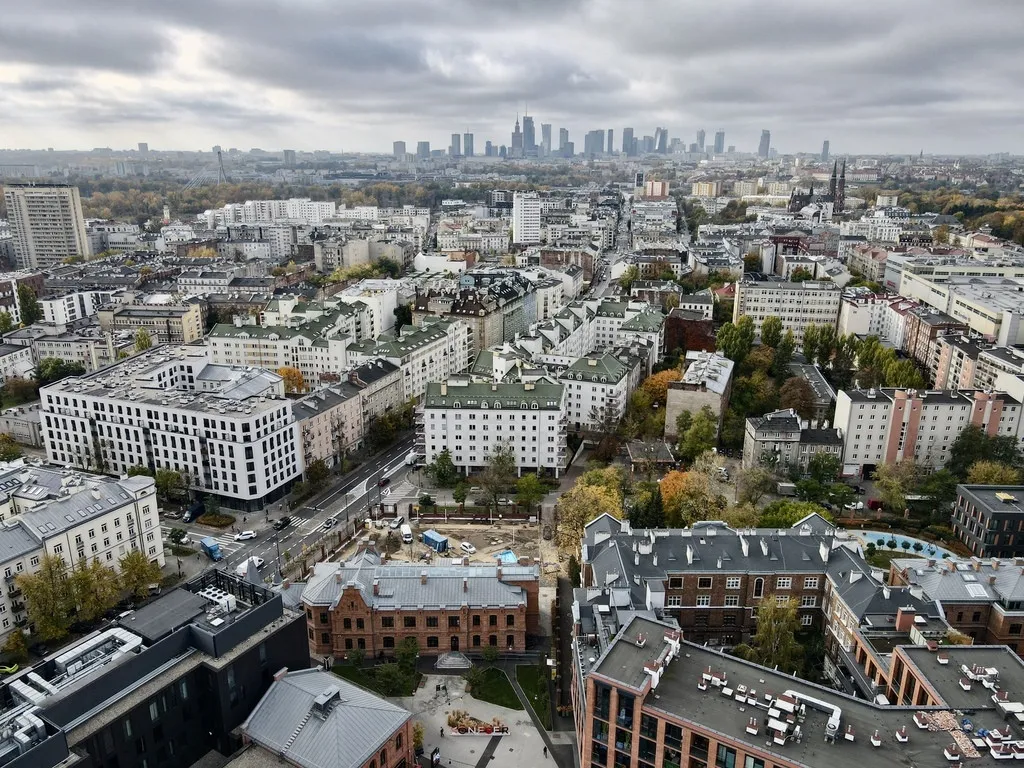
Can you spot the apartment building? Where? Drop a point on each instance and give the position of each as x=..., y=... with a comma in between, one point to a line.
x=72, y=306
x=924, y=326
x=200, y=282
x=48, y=510
x=797, y=305
x=89, y=346
x=47, y=224
x=869, y=314
x=11, y=281
x=432, y=352
x=995, y=360
x=494, y=313
x=15, y=362
x=869, y=261
x=526, y=218
x=783, y=440
x=165, y=323
x=706, y=381
x=989, y=519
x=229, y=430
x=330, y=423
x=882, y=426
x=470, y=420
x=367, y=605
x=958, y=362
x=597, y=388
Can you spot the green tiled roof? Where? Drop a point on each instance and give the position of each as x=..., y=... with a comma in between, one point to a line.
x=606, y=366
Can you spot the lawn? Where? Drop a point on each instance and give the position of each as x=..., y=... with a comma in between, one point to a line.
x=534, y=682
x=883, y=557
x=496, y=689
x=399, y=685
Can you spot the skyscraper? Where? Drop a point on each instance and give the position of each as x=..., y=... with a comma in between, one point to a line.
x=563, y=138
x=289, y=158
x=467, y=144
x=517, y=140
x=398, y=150
x=47, y=223
x=422, y=150
x=488, y=149
x=529, y=136
x=525, y=218
x=766, y=143
x=143, y=148
x=661, y=140
x=627, y=141
x=700, y=139
x=455, y=148
x=719, y=142
x=545, y=139
x=824, y=151
x=611, y=141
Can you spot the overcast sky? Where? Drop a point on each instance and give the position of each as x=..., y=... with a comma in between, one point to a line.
x=871, y=76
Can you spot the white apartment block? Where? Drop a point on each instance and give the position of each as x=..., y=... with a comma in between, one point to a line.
x=54, y=511
x=432, y=352
x=47, y=223
x=16, y=361
x=62, y=310
x=597, y=387
x=525, y=218
x=875, y=229
x=797, y=305
x=258, y=211
x=229, y=429
x=881, y=315
x=200, y=282
x=90, y=346
x=989, y=306
x=883, y=426
x=471, y=419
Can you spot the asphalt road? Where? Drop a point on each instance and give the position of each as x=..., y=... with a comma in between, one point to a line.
x=349, y=500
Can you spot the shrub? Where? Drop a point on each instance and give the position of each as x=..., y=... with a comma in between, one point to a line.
x=216, y=520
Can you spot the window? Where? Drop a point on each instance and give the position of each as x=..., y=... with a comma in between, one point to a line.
x=323, y=617
x=675, y=582
x=432, y=641
x=758, y=588
x=359, y=624
x=674, y=601
x=347, y=623
x=493, y=620
x=732, y=601
x=389, y=641
x=703, y=601
x=753, y=762
x=810, y=582
x=726, y=757
x=781, y=600
x=732, y=582
x=387, y=622
x=783, y=582
x=806, y=620
x=1015, y=629
x=976, y=617
x=704, y=582
x=510, y=620
x=409, y=622
x=431, y=621
x=154, y=713
x=453, y=622
x=808, y=601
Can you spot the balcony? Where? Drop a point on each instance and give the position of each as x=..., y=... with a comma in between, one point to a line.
x=17, y=607
x=16, y=592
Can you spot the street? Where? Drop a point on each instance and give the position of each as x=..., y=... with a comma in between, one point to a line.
x=350, y=500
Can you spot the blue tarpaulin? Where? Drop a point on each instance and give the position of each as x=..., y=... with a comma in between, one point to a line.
x=435, y=540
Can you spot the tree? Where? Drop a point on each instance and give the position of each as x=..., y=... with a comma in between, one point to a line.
x=317, y=472
x=418, y=732
x=989, y=473
x=743, y=515
x=442, y=469
x=798, y=394
x=683, y=421
x=31, y=311
x=169, y=483
x=810, y=346
x=406, y=653
x=940, y=235
x=630, y=275
x=894, y=482
x=52, y=369
x=139, y=470
x=753, y=483
x=426, y=501
x=459, y=493
x=390, y=678
x=48, y=597
x=783, y=356
x=800, y=274
x=824, y=467
x=774, y=643
x=688, y=497
x=403, y=315
x=647, y=509
x=656, y=386
x=577, y=507
x=842, y=360
x=904, y=374
x=529, y=491
x=15, y=646
x=500, y=472
x=491, y=653
x=973, y=444
x=771, y=331
x=735, y=340
x=574, y=571
x=9, y=449
x=138, y=572
x=826, y=344
x=752, y=262
x=611, y=478
x=143, y=340
x=294, y=381
x=356, y=656
x=95, y=589
x=6, y=325
x=700, y=437
x=786, y=513
x=760, y=359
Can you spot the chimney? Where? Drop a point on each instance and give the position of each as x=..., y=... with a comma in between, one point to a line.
x=286, y=583
x=465, y=584
x=423, y=576
x=931, y=563
x=655, y=559
x=376, y=587
x=636, y=558
x=823, y=551
x=991, y=579
x=280, y=673
x=905, y=619
x=995, y=563
x=745, y=546
x=689, y=555
x=499, y=573
x=975, y=563
x=465, y=560
x=337, y=577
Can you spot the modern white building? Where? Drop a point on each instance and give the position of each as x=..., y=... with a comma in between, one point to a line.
x=869, y=314
x=229, y=430
x=597, y=387
x=77, y=305
x=797, y=305
x=470, y=419
x=526, y=218
x=15, y=361
x=47, y=223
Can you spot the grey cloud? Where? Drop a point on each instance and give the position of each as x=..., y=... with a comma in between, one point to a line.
x=87, y=45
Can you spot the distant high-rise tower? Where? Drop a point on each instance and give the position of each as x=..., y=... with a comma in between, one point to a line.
x=143, y=148
x=563, y=141
x=467, y=144
x=545, y=139
x=765, y=145
x=824, y=151
x=289, y=158
x=719, y=142
x=839, y=205
x=398, y=150
x=517, y=140
x=627, y=141
x=488, y=149
x=47, y=223
x=422, y=150
x=455, y=148
x=661, y=140
x=529, y=136
x=525, y=218
x=700, y=139
x=611, y=141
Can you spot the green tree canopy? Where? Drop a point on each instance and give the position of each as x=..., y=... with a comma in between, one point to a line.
x=701, y=436
x=771, y=331
x=28, y=302
x=48, y=597
x=973, y=444
x=774, y=643
x=786, y=513
x=798, y=394
x=138, y=572
x=143, y=340
x=529, y=491
x=442, y=469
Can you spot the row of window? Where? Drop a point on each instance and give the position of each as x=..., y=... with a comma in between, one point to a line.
x=734, y=582
x=733, y=601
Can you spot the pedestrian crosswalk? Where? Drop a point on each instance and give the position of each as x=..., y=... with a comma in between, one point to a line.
x=227, y=542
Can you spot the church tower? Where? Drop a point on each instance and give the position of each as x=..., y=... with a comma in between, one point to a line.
x=832, y=181
x=840, y=198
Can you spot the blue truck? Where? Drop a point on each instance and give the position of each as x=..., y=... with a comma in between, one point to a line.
x=211, y=548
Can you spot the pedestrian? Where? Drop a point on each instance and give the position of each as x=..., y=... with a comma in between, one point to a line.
x=442, y=733
x=243, y=518
x=545, y=753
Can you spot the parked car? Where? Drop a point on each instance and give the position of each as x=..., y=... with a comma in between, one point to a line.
x=858, y=490
x=383, y=482
x=397, y=522
x=468, y=548
x=245, y=535
x=329, y=523
x=283, y=523
x=874, y=504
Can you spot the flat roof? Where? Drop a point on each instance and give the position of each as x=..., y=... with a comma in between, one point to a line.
x=945, y=678
x=161, y=617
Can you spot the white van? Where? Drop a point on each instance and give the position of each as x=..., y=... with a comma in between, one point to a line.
x=406, y=534
x=412, y=459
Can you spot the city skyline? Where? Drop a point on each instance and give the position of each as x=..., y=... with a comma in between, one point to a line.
x=163, y=75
